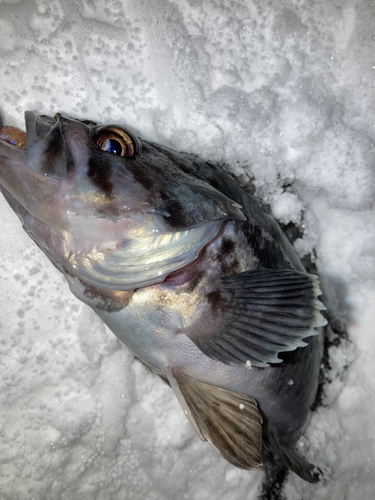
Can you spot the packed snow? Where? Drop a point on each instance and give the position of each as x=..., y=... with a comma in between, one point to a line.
x=282, y=94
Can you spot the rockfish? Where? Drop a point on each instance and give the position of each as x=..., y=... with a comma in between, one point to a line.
x=186, y=268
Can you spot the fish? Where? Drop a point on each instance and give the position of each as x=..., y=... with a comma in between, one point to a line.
x=187, y=268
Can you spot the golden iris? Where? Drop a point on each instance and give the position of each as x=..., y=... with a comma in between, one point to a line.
x=115, y=140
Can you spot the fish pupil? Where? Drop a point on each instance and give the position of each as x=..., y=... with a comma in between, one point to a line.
x=112, y=146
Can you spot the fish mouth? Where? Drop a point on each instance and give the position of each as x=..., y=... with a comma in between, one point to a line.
x=31, y=122
x=48, y=149
x=20, y=176
x=36, y=176
x=39, y=126
x=37, y=129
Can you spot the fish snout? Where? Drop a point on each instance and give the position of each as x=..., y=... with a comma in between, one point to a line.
x=46, y=147
x=54, y=144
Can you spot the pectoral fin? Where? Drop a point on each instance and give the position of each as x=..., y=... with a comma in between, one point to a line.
x=251, y=317
x=230, y=421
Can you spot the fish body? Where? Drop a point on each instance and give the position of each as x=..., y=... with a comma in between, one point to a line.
x=186, y=268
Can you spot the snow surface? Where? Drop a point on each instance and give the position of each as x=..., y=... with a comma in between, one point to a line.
x=280, y=91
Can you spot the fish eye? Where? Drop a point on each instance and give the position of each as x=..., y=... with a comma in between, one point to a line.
x=115, y=140
x=112, y=146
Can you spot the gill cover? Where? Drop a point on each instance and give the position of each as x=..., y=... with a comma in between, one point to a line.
x=134, y=262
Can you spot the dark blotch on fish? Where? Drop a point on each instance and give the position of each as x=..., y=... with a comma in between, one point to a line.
x=99, y=172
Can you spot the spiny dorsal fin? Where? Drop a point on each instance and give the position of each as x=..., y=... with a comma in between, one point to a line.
x=251, y=317
x=230, y=421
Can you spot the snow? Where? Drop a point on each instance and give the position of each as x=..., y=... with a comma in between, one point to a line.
x=282, y=93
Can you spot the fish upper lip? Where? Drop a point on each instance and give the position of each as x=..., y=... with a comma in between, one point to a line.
x=47, y=151
x=39, y=126
x=30, y=122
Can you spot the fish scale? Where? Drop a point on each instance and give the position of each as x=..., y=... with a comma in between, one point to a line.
x=187, y=270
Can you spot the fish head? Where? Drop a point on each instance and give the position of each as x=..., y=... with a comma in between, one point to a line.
x=110, y=208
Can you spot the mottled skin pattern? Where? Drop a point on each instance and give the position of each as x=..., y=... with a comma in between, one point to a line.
x=83, y=206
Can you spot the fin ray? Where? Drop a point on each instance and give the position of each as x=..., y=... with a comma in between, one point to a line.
x=230, y=421
x=291, y=459
x=255, y=315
